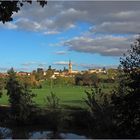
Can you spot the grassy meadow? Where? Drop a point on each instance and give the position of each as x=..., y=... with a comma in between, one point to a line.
x=68, y=95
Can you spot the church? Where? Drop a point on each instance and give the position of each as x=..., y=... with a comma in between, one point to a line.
x=70, y=71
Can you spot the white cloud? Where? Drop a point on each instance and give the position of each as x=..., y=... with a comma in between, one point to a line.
x=8, y=25
x=106, y=45
x=51, y=32
x=93, y=66
x=57, y=16
x=61, y=63
x=4, y=69
x=39, y=64
x=118, y=27
x=61, y=52
x=24, y=23
x=104, y=17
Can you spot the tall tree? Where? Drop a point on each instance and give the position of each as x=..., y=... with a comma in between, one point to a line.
x=126, y=101
x=20, y=98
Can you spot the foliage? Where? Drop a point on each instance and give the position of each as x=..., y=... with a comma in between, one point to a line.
x=100, y=110
x=130, y=66
x=27, y=80
x=96, y=100
x=86, y=79
x=64, y=81
x=7, y=8
x=38, y=75
x=91, y=102
x=126, y=99
x=112, y=73
x=0, y=91
x=55, y=116
x=49, y=73
x=52, y=101
x=2, y=85
x=41, y=75
x=20, y=97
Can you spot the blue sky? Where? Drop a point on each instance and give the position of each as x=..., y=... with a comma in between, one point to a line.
x=90, y=34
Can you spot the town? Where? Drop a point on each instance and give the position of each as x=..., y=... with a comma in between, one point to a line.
x=66, y=72
x=67, y=76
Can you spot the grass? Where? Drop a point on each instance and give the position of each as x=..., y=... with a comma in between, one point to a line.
x=68, y=95
x=72, y=95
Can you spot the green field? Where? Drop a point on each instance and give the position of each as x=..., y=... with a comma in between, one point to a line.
x=68, y=95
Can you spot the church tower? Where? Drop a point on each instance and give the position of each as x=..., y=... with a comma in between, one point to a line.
x=70, y=67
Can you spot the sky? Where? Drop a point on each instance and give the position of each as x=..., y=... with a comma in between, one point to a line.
x=89, y=33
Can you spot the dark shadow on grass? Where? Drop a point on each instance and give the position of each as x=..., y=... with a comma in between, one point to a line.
x=73, y=101
x=73, y=104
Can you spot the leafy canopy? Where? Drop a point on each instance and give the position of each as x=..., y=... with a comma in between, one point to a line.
x=8, y=8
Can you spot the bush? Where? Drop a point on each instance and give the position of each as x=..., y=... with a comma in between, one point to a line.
x=20, y=98
x=55, y=114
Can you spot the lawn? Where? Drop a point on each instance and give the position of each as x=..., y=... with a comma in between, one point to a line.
x=68, y=95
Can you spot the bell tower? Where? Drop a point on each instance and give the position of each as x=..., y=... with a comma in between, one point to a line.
x=70, y=67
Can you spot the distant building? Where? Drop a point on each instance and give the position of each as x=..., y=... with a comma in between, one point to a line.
x=65, y=72
x=44, y=73
x=70, y=71
x=96, y=71
x=3, y=75
x=75, y=71
x=56, y=73
x=92, y=70
x=70, y=67
x=21, y=73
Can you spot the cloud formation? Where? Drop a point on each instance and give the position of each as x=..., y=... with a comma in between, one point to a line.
x=5, y=69
x=61, y=15
x=39, y=64
x=111, y=21
x=118, y=27
x=64, y=63
x=107, y=45
x=8, y=25
x=61, y=52
x=93, y=66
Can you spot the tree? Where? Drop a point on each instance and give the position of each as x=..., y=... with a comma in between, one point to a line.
x=49, y=73
x=2, y=85
x=61, y=81
x=0, y=90
x=104, y=69
x=112, y=73
x=65, y=70
x=126, y=100
x=20, y=98
x=55, y=116
x=130, y=65
x=39, y=74
x=91, y=101
x=52, y=101
x=7, y=8
x=100, y=112
x=87, y=79
x=50, y=67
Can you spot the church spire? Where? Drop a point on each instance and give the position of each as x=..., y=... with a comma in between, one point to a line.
x=70, y=67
